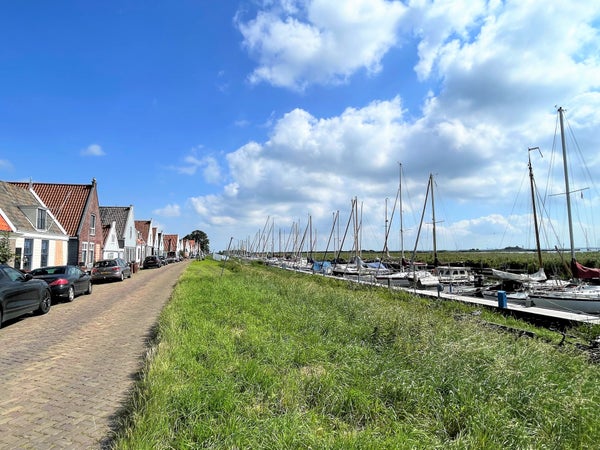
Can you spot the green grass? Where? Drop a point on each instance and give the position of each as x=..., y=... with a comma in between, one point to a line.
x=266, y=358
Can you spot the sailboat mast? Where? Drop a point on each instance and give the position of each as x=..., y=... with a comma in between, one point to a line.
x=385, y=245
x=535, y=220
x=567, y=188
x=435, y=256
x=401, y=224
x=414, y=253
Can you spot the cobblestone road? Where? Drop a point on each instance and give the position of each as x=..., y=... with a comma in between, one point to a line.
x=65, y=375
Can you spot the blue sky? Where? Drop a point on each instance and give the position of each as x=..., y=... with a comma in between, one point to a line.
x=227, y=115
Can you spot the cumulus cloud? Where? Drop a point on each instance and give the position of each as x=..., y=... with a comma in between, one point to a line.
x=171, y=210
x=209, y=165
x=297, y=43
x=93, y=150
x=495, y=70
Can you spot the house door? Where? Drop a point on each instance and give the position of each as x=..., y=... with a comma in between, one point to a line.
x=18, y=252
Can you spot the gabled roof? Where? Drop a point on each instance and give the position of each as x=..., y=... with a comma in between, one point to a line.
x=117, y=214
x=143, y=226
x=66, y=201
x=106, y=231
x=15, y=202
x=170, y=242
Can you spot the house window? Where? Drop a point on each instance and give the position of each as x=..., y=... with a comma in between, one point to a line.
x=84, y=247
x=91, y=251
x=27, y=254
x=41, y=219
x=45, y=246
x=93, y=224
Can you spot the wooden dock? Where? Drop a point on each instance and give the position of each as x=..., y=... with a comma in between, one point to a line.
x=541, y=313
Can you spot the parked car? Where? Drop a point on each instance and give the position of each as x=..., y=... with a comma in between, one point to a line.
x=151, y=261
x=66, y=282
x=110, y=269
x=163, y=260
x=20, y=294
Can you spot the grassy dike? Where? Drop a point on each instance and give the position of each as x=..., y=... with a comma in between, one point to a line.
x=261, y=358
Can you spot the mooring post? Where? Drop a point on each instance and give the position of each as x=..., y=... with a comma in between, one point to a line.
x=502, y=299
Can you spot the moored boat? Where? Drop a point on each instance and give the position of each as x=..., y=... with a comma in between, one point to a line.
x=580, y=295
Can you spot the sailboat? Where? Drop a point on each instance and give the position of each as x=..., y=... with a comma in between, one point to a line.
x=356, y=267
x=578, y=296
x=451, y=276
x=517, y=285
x=394, y=277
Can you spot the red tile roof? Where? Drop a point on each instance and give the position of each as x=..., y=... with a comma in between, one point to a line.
x=170, y=242
x=66, y=201
x=143, y=226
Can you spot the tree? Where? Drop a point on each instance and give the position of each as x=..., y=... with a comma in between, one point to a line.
x=201, y=240
x=5, y=253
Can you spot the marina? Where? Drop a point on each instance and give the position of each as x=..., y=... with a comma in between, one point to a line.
x=566, y=288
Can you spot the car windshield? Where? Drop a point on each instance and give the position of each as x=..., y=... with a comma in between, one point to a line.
x=105, y=263
x=48, y=271
x=12, y=274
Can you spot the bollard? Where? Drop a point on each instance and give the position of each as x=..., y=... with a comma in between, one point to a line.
x=502, y=299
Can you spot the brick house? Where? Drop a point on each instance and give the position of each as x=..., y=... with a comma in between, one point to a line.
x=35, y=238
x=76, y=208
x=171, y=245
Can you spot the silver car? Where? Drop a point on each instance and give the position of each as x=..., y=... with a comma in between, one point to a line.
x=110, y=269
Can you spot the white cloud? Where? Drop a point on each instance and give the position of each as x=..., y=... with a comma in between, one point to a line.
x=93, y=150
x=319, y=41
x=171, y=210
x=495, y=69
x=211, y=170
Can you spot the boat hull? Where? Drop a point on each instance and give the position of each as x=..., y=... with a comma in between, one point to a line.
x=578, y=302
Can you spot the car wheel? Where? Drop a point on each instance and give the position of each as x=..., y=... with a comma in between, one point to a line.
x=122, y=277
x=45, y=303
x=71, y=294
x=89, y=289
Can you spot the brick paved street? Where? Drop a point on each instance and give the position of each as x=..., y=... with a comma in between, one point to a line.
x=64, y=375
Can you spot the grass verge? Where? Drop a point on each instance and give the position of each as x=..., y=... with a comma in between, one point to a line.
x=254, y=357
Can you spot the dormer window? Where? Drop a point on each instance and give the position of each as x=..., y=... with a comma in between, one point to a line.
x=41, y=219
x=92, y=224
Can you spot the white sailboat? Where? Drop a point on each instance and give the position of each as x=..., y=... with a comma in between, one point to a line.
x=578, y=296
x=451, y=276
x=395, y=277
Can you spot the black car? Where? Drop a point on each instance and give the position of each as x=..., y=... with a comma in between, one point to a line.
x=151, y=261
x=110, y=269
x=66, y=282
x=20, y=294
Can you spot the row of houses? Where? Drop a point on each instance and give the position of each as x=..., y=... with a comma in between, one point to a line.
x=55, y=224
